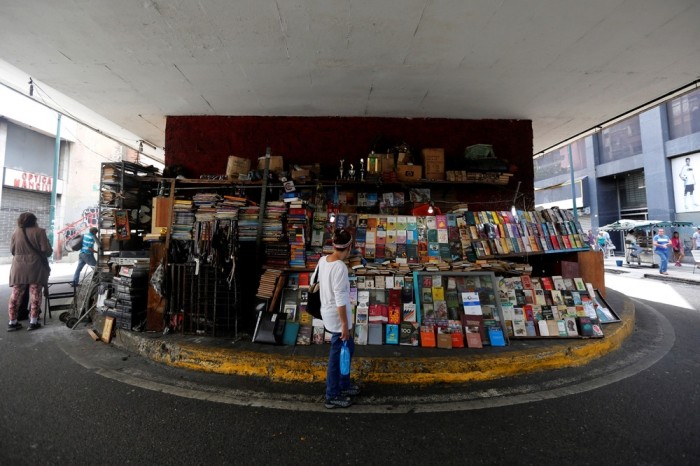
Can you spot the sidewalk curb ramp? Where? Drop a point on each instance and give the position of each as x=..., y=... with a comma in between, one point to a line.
x=428, y=366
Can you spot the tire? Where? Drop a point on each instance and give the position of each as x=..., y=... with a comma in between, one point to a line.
x=71, y=322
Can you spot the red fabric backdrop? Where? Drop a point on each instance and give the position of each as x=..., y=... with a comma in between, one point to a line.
x=202, y=144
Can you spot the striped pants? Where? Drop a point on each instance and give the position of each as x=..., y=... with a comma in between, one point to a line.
x=16, y=297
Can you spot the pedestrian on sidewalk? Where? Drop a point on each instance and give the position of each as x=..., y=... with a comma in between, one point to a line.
x=661, y=248
x=337, y=318
x=696, y=239
x=601, y=242
x=591, y=239
x=30, y=250
x=86, y=255
x=677, y=246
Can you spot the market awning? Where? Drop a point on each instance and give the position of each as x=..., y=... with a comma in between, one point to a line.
x=626, y=224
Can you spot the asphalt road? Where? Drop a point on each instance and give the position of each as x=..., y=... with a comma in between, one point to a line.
x=68, y=400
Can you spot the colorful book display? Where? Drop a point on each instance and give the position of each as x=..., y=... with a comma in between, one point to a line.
x=551, y=307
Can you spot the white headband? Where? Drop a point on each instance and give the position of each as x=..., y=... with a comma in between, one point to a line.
x=342, y=246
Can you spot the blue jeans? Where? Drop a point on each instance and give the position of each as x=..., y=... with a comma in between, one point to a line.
x=663, y=259
x=335, y=382
x=83, y=258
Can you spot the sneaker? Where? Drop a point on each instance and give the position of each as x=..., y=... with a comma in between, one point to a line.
x=338, y=402
x=13, y=327
x=352, y=390
x=33, y=326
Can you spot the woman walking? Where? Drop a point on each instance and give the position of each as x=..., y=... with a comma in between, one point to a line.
x=677, y=246
x=30, y=249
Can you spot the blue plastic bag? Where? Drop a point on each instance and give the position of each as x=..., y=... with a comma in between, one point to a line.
x=345, y=359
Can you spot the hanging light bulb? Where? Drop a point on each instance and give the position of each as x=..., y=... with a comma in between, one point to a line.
x=430, y=208
x=332, y=217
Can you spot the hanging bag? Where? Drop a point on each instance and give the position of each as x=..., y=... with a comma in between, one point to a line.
x=313, y=305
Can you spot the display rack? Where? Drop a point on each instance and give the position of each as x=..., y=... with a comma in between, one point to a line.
x=123, y=196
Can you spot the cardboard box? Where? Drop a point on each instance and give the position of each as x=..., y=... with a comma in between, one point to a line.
x=409, y=172
x=276, y=163
x=236, y=166
x=386, y=162
x=434, y=163
x=301, y=175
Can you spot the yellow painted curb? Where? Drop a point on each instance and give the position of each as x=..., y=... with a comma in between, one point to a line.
x=461, y=368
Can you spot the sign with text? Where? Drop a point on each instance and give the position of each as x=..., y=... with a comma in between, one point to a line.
x=30, y=181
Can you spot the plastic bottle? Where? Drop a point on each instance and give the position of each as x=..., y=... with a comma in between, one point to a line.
x=345, y=359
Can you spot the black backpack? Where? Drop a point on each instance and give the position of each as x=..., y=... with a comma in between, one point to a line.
x=75, y=243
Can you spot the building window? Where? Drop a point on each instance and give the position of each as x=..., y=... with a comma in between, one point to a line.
x=684, y=115
x=633, y=193
x=621, y=140
x=556, y=163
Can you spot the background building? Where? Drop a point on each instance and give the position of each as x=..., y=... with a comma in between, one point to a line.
x=638, y=168
x=27, y=151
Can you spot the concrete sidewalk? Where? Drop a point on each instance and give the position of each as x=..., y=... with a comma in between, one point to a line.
x=682, y=274
x=59, y=271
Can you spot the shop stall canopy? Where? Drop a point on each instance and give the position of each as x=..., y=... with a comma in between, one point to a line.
x=626, y=225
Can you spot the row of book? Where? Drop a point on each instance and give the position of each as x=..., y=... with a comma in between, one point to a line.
x=503, y=233
x=552, y=307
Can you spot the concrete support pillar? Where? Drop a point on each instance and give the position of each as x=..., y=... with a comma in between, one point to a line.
x=657, y=168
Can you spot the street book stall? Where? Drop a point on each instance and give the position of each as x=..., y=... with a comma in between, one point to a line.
x=638, y=238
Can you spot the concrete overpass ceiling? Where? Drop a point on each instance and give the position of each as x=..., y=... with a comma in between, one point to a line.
x=567, y=65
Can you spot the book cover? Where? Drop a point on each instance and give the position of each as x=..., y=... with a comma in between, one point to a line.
x=409, y=312
x=318, y=332
x=472, y=335
x=496, y=336
x=440, y=310
x=471, y=303
x=291, y=329
x=444, y=339
x=392, y=334
x=571, y=328
x=561, y=328
x=542, y=328
x=597, y=330
x=394, y=314
x=427, y=336
x=530, y=328
x=361, y=331
x=584, y=326
x=409, y=334
x=304, y=335
x=362, y=315
x=375, y=334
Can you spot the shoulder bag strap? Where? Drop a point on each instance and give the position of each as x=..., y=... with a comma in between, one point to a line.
x=29, y=242
x=42, y=257
x=314, y=277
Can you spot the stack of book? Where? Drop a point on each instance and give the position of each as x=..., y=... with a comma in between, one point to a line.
x=183, y=219
x=269, y=281
x=298, y=225
x=248, y=223
x=272, y=221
